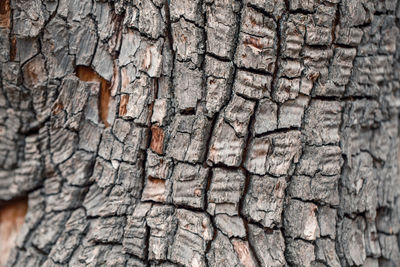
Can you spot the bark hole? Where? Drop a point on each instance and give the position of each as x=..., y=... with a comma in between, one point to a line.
x=87, y=74
x=12, y=215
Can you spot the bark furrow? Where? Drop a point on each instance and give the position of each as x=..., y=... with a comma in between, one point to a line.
x=200, y=132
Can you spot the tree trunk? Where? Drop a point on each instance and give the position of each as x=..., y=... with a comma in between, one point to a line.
x=199, y=133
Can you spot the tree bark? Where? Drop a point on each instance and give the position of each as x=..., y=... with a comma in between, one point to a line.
x=199, y=133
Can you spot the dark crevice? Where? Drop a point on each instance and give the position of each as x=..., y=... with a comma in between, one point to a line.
x=251, y=247
x=209, y=243
x=279, y=130
x=345, y=98
x=224, y=59
x=336, y=22
x=262, y=11
x=247, y=182
x=168, y=29
x=278, y=53
x=256, y=71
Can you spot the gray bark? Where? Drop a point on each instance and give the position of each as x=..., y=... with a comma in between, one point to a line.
x=201, y=133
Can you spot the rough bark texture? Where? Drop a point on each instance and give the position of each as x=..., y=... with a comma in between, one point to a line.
x=201, y=133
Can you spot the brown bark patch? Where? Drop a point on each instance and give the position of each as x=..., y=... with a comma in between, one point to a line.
x=157, y=139
x=34, y=73
x=87, y=74
x=156, y=180
x=254, y=42
x=155, y=190
x=5, y=14
x=122, y=104
x=13, y=48
x=313, y=76
x=197, y=192
x=57, y=108
x=12, y=215
x=277, y=186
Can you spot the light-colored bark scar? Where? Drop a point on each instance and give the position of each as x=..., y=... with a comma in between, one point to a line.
x=243, y=252
x=311, y=224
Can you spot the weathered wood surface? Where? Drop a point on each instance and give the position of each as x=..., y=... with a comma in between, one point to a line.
x=202, y=133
